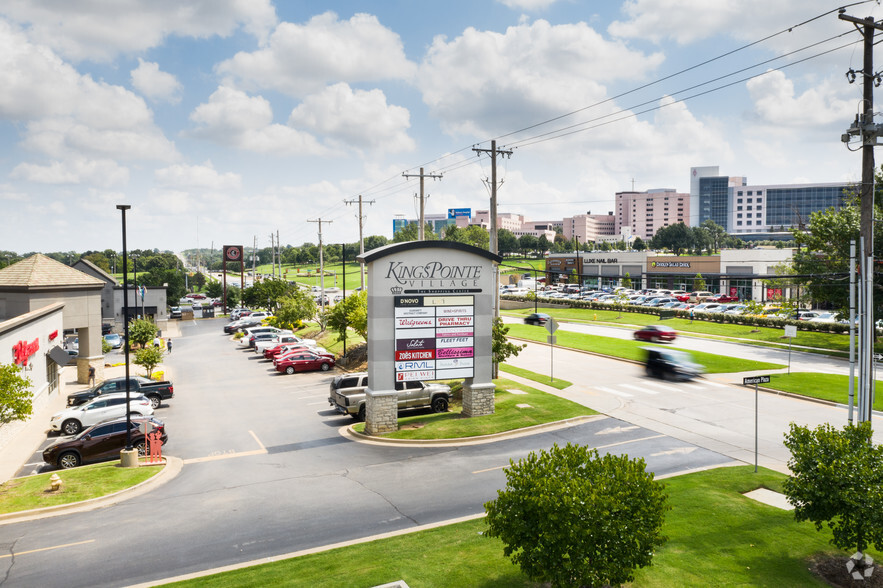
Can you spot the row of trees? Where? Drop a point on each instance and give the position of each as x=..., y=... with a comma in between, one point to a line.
x=710, y=237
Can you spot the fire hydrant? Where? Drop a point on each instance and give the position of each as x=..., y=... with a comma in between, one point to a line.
x=595, y=317
x=55, y=483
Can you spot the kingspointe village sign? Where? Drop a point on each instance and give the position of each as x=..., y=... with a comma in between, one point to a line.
x=430, y=316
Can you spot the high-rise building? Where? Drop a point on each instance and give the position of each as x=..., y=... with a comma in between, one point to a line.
x=644, y=213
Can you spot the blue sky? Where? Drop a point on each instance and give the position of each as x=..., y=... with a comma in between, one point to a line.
x=221, y=121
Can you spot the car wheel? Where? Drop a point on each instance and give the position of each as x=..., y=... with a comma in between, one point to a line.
x=361, y=415
x=141, y=446
x=637, y=337
x=71, y=427
x=68, y=460
x=440, y=404
x=155, y=401
x=289, y=370
x=135, y=413
x=325, y=367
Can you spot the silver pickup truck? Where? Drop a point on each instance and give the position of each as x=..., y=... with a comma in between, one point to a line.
x=348, y=395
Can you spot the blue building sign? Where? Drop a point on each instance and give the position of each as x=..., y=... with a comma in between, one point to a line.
x=455, y=212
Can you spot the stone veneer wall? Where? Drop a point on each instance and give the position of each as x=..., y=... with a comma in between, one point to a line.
x=381, y=413
x=478, y=399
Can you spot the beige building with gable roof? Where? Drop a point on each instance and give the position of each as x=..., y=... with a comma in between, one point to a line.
x=40, y=281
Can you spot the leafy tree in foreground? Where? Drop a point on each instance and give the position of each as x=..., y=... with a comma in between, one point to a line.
x=501, y=347
x=573, y=518
x=351, y=312
x=294, y=308
x=214, y=289
x=148, y=358
x=16, y=399
x=837, y=478
x=142, y=331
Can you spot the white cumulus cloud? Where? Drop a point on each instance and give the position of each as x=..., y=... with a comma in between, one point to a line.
x=205, y=177
x=360, y=119
x=159, y=86
x=103, y=173
x=301, y=59
x=100, y=30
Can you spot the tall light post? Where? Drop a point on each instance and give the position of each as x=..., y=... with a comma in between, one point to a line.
x=126, y=457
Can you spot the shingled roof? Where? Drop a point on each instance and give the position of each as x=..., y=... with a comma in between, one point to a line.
x=41, y=273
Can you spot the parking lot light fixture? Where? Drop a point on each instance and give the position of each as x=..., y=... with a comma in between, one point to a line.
x=123, y=208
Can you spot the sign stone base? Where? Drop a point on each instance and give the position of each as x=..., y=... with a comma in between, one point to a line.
x=478, y=399
x=381, y=411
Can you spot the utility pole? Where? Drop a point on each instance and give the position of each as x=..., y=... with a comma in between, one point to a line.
x=254, y=261
x=272, y=254
x=493, y=151
x=361, y=238
x=421, y=175
x=279, y=252
x=865, y=128
x=321, y=260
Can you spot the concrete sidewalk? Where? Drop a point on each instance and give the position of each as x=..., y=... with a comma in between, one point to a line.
x=19, y=450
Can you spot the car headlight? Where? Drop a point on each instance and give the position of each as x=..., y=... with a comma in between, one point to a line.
x=55, y=417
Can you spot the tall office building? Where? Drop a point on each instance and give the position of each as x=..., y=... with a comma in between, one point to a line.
x=644, y=213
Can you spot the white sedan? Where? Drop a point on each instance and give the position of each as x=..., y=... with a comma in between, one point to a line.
x=281, y=339
x=107, y=406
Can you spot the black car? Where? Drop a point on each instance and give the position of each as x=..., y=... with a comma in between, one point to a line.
x=101, y=442
x=671, y=363
x=537, y=318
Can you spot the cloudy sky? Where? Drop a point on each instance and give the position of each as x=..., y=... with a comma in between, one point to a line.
x=221, y=121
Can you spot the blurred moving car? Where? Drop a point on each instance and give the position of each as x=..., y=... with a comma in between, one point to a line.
x=101, y=442
x=537, y=318
x=655, y=333
x=671, y=364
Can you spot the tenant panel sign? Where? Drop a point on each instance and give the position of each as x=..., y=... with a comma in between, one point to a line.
x=434, y=337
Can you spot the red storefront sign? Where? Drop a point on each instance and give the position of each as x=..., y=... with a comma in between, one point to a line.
x=22, y=351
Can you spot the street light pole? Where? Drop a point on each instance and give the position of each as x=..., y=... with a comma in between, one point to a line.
x=127, y=451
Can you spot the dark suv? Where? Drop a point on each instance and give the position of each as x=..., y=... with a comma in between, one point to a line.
x=671, y=363
x=101, y=442
x=537, y=318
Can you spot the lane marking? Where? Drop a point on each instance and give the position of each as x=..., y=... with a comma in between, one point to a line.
x=232, y=454
x=640, y=389
x=599, y=447
x=717, y=384
x=614, y=392
x=47, y=548
x=665, y=387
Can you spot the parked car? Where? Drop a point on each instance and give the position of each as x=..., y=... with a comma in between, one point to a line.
x=293, y=348
x=655, y=333
x=155, y=391
x=106, y=328
x=807, y=315
x=114, y=340
x=280, y=340
x=175, y=312
x=721, y=298
x=304, y=361
x=234, y=326
x=74, y=419
x=347, y=395
x=700, y=295
x=737, y=309
x=705, y=307
x=101, y=442
x=825, y=317
x=671, y=363
x=537, y=318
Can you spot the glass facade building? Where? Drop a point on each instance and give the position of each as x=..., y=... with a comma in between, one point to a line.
x=714, y=200
x=790, y=206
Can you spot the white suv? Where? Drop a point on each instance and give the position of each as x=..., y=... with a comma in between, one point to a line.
x=107, y=406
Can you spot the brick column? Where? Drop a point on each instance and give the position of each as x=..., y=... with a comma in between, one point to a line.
x=381, y=411
x=478, y=399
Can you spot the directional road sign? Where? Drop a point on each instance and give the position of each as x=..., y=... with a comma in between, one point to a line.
x=551, y=326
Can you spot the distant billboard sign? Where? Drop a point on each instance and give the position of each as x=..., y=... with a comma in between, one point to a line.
x=455, y=212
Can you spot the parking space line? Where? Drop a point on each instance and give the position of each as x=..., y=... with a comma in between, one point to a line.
x=258, y=441
x=314, y=396
x=599, y=447
x=46, y=548
x=315, y=403
x=232, y=454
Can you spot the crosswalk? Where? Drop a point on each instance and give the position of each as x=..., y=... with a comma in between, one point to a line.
x=650, y=387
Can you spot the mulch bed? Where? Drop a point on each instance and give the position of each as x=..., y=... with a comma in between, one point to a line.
x=832, y=569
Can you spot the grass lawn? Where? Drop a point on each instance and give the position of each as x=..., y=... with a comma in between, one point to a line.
x=80, y=484
x=628, y=349
x=763, y=336
x=544, y=408
x=511, y=369
x=716, y=537
x=831, y=387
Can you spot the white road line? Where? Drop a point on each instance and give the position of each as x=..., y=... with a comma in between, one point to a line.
x=614, y=392
x=313, y=396
x=639, y=389
x=258, y=441
x=46, y=548
x=315, y=403
x=716, y=384
x=665, y=387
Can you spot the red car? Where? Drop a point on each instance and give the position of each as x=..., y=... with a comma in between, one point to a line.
x=304, y=361
x=685, y=297
x=655, y=333
x=722, y=298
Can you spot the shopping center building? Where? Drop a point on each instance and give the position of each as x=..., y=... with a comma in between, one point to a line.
x=745, y=273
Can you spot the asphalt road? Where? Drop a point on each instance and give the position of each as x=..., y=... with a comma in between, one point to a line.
x=267, y=472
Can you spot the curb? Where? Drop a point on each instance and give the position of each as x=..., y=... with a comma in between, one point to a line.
x=171, y=469
x=348, y=432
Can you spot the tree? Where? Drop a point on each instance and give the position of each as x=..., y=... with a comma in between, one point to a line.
x=638, y=244
x=234, y=295
x=542, y=245
x=149, y=357
x=527, y=243
x=267, y=293
x=214, y=289
x=506, y=241
x=837, y=478
x=350, y=312
x=410, y=233
x=627, y=281
x=501, y=347
x=142, y=331
x=571, y=517
x=716, y=234
x=676, y=238
x=294, y=308
x=16, y=398
x=699, y=283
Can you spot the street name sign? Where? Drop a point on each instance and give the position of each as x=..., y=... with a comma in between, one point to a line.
x=756, y=380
